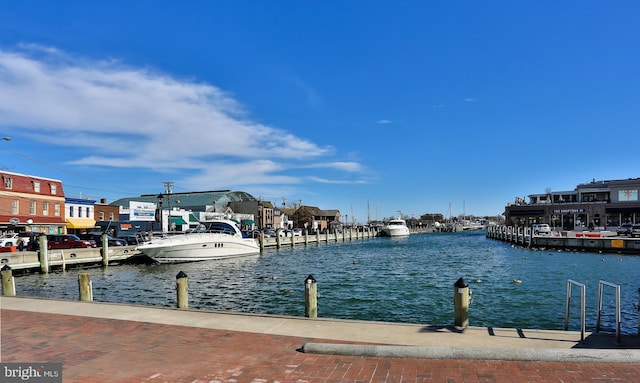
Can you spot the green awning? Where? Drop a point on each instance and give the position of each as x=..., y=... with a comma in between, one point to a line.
x=193, y=218
x=247, y=221
x=178, y=221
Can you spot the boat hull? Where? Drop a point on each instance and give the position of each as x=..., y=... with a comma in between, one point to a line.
x=396, y=231
x=199, y=247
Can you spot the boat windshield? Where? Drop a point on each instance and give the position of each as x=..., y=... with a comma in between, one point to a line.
x=215, y=227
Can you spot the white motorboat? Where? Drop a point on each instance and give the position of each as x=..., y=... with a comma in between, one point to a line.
x=211, y=240
x=396, y=228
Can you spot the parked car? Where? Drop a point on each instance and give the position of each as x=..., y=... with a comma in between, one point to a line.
x=97, y=238
x=268, y=233
x=297, y=232
x=9, y=240
x=635, y=231
x=541, y=228
x=65, y=241
x=624, y=229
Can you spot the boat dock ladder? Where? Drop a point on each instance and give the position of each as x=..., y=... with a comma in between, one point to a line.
x=601, y=285
x=583, y=288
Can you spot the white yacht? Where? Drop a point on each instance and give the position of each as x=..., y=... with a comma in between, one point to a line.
x=211, y=240
x=396, y=228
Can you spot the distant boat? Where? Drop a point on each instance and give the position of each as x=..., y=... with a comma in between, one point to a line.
x=472, y=225
x=396, y=228
x=218, y=239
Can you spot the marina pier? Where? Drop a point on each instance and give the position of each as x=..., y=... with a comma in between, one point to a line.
x=593, y=241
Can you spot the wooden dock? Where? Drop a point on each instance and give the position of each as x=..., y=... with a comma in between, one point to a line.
x=594, y=241
x=45, y=260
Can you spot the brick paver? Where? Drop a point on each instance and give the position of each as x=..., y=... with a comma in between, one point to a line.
x=105, y=350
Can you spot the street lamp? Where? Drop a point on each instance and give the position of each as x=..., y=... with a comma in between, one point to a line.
x=160, y=199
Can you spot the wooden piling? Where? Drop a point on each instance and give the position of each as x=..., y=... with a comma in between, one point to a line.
x=461, y=303
x=43, y=254
x=8, y=282
x=105, y=250
x=182, y=290
x=85, y=287
x=310, y=297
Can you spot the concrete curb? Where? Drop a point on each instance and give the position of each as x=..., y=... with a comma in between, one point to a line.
x=509, y=354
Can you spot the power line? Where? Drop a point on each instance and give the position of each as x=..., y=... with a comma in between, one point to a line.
x=66, y=171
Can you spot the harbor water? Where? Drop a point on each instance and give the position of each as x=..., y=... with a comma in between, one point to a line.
x=408, y=280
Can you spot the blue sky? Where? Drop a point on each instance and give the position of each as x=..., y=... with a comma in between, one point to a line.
x=370, y=107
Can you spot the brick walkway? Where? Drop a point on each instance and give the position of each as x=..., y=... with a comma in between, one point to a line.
x=105, y=350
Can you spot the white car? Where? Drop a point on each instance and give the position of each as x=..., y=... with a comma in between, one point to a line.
x=9, y=240
x=541, y=228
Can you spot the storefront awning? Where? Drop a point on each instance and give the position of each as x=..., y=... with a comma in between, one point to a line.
x=178, y=221
x=193, y=218
x=81, y=223
x=247, y=222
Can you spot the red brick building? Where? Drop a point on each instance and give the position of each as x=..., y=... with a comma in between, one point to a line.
x=29, y=203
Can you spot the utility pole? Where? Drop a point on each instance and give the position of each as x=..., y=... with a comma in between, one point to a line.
x=167, y=188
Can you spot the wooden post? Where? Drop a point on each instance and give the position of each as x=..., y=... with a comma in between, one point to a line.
x=461, y=303
x=310, y=297
x=105, y=250
x=43, y=253
x=278, y=245
x=8, y=283
x=182, y=290
x=261, y=240
x=85, y=287
x=318, y=236
x=293, y=239
x=306, y=236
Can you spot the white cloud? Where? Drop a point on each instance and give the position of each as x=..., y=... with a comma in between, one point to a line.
x=135, y=117
x=383, y=122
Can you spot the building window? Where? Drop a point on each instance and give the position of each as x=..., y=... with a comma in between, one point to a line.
x=32, y=208
x=101, y=216
x=45, y=208
x=8, y=183
x=87, y=211
x=70, y=211
x=111, y=216
x=36, y=186
x=54, y=189
x=56, y=210
x=15, y=206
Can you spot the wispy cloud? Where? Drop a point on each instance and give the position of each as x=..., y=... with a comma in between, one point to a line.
x=139, y=117
x=470, y=100
x=384, y=122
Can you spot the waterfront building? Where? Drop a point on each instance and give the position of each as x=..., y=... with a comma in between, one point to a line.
x=600, y=205
x=31, y=203
x=79, y=215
